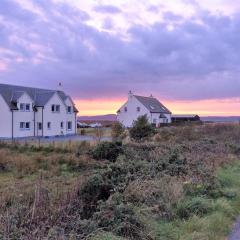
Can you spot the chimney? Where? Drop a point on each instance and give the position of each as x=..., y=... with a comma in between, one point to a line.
x=60, y=87
x=151, y=96
x=130, y=94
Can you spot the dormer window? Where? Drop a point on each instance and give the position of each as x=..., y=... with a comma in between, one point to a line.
x=125, y=109
x=69, y=109
x=24, y=107
x=55, y=108
x=138, y=109
x=27, y=107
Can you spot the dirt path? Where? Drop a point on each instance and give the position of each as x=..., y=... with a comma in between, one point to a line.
x=235, y=234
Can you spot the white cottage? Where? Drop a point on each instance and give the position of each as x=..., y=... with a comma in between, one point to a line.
x=137, y=106
x=29, y=112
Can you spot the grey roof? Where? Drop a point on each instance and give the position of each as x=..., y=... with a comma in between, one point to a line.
x=12, y=93
x=152, y=104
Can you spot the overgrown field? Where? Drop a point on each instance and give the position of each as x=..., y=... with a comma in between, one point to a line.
x=183, y=183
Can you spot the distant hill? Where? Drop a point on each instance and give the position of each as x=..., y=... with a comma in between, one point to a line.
x=221, y=119
x=107, y=117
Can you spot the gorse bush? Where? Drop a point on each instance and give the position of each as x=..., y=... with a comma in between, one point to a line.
x=141, y=128
x=107, y=150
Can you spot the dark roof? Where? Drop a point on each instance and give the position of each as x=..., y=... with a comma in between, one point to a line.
x=12, y=93
x=152, y=104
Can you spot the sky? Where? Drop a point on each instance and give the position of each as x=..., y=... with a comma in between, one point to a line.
x=184, y=52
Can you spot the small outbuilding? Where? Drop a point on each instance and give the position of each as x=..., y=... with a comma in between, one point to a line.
x=177, y=118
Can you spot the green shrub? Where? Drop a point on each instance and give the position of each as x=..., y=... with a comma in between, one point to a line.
x=107, y=150
x=141, y=128
x=195, y=206
x=117, y=130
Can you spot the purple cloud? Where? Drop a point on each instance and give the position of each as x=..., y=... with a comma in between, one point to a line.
x=191, y=60
x=107, y=9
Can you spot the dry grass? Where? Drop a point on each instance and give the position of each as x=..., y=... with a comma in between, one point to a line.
x=40, y=185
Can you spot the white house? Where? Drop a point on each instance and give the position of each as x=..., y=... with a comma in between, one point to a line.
x=32, y=112
x=137, y=106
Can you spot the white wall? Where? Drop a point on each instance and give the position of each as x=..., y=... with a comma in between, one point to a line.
x=23, y=116
x=71, y=117
x=127, y=118
x=5, y=119
x=55, y=118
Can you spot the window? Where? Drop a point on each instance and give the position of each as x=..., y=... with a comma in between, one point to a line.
x=154, y=120
x=49, y=125
x=138, y=109
x=69, y=109
x=125, y=109
x=61, y=125
x=69, y=126
x=27, y=125
x=39, y=126
x=22, y=107
x=55, y=108
x=22, y=125
x=27, y=107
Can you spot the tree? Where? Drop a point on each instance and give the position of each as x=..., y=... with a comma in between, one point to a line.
x=141, y=128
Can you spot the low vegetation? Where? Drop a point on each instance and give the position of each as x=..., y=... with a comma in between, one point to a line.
x=177, y=183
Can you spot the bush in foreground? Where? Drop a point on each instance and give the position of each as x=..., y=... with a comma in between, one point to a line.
x=141, y=128
x=107, y=150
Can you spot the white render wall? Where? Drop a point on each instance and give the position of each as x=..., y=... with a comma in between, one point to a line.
x=127, y=118
x=23, y=116
x=55, y=118
x=28, y=116
x=5, y=120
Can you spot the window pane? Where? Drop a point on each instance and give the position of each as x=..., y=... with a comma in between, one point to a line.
x=21, y=125
x=27, y=125
x=69, y=125
x=53, y=108
x=57, y=108
x=49, y=125
x=27, y=107
x=22, y=106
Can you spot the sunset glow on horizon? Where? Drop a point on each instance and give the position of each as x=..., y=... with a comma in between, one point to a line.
x=212, y=107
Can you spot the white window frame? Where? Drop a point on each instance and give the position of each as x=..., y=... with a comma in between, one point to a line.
x=23, y=126
x=54, y=108
x=27, y=128
x=69, y=109
x=23, y=107
x=62, y=125
x=69, y=129
x=49, y=125
x=39, y=124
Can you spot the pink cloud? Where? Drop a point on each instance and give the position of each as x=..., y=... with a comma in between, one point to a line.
x=3, y=66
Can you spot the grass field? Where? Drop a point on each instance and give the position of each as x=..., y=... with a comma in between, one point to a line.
x=182, y=183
